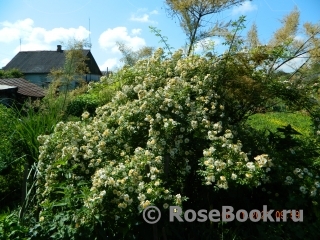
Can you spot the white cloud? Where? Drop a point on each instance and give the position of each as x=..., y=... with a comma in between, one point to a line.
x=57, y=34
x=111, y=36
x=4, y=62
x=13, y=31
x=144, y=18
x=110, y=64
x=108, y=39
x=244, y=8
x=154, y=12
x=136, y=31
x=33, y=47
x=25, y=30
x=25, y=24
x=8, y=35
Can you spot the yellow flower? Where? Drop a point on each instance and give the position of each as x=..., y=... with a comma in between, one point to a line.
x=85, y=115
x=106, y=133
x=145, y=204
x=248, y=175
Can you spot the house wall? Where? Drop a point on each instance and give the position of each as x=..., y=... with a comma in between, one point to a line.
x=92, y=77
x=87, y=78
x=43, y=81
x=38, y=79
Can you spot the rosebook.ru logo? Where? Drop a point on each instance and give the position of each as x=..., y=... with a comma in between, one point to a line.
x=152, y=215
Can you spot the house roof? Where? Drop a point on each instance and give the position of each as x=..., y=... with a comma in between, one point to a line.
x=24, y=87
x=42, y=62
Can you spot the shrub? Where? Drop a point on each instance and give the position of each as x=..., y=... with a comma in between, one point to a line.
x=98, y=94
x=12, y=73
x=11, y=159
x=174, y=135
x=10, y=227
x=82, y=103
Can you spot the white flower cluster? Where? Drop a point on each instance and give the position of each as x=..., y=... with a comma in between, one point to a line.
x=305, y=173
x=226, y=161
x=264, y=161
x=104, y=150
x=149, y=135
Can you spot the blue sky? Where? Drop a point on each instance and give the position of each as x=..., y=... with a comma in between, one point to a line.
x=43, y=24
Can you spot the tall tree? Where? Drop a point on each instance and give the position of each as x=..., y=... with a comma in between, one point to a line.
x=74, y=68
x=252, y=36
x=258, y=68
x=130, y=57
x=192, y=13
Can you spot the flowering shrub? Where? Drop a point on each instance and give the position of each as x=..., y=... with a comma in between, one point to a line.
x=166, y=138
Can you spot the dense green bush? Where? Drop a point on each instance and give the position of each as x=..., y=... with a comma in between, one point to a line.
x=11, y=160
x=12, y=73
x=10, y=227
x=82, y=103
x=171, y=136
x=98, y=94
x=174, y=131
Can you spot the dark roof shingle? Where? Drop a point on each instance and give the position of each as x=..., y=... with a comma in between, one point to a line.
x=24, y=87
x=44, y=61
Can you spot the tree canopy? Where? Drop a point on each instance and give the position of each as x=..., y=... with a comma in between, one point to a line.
x=192, y=13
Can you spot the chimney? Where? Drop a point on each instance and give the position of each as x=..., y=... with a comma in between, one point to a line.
x=59, y=48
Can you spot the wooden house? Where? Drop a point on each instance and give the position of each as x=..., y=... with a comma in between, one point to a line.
x=36, y=65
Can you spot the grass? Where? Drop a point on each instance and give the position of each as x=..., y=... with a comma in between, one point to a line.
x=4, y=213
x=299, y=121
x=3, y=216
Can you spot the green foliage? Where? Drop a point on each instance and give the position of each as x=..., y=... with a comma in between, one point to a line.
x=6, y=132
x=10, y=227
x=107, y=87
x=97, y=94
x=171, y=136
x=11, y=160
x=32, y=120
x=19, y=147
x=82, y=103
x=74, y=68
x=12, y=73
x=271, y=121
x=192, y=17
x=130, y=57
x=174, y=131
x=163, y=39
